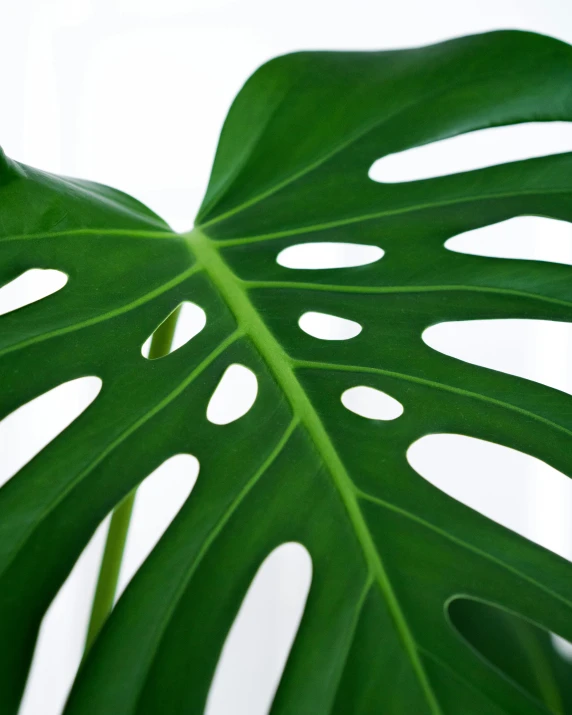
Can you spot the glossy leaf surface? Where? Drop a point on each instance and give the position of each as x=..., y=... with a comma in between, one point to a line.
x=388, y=549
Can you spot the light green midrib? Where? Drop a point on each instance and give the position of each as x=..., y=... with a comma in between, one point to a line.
x=248, y=319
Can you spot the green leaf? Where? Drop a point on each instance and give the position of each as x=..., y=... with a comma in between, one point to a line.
x=389, y=551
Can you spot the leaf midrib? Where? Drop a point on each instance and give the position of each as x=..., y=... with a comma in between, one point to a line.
x=250, y=322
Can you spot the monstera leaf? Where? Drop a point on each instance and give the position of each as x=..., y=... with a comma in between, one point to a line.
x=389, y=550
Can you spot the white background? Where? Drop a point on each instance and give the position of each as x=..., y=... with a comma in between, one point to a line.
x=133, y=93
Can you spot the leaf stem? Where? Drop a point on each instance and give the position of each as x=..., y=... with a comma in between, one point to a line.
x=106, y=587
x=108, y=578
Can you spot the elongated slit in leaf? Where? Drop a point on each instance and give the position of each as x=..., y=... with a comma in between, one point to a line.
x=62, y=631
x=160, y=497
x=256, y=649
x=525, y=238
x=474, y=150
x=536, y=350
x=157, y=511
x=30, y=428
x=501, y=483
x=29, y=287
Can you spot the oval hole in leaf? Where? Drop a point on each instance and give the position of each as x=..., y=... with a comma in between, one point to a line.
x=257, y=646
x=520, y=492
x=313, y=256
x=329, y=327
x=234, y=395
x=537, y=350
x=158, y=501
x=474, y=150
x=371, y=403
x=27, y=430
x=532, y=238
x=522, y=650
x=61, y=640
x=192, y=319
x=29, y=287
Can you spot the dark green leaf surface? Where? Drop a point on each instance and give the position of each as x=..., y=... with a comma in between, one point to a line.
x=518, y=648
x=389, y=550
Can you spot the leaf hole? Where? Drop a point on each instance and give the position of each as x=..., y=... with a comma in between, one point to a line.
x=31, y=427
x=522, y=650
x=533, y=349
x=29, y=287
x=61, y=639
x=259, y=642
x=531, y=238
x=191, y=319
x=562, y=646
x=159, y=499
x=474, y=150
x=329, y=327
x=514, y=489
x=234, y=395
x=371, y=403
x=314, y=256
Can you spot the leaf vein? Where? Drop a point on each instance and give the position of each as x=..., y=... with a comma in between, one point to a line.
x=103, y=454
x=454, y=539
x=430, y=383
x=104, y=316
x=375, y=290
x=210, y=539
x=312, y=228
